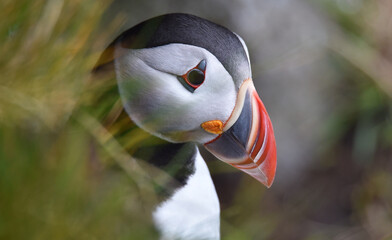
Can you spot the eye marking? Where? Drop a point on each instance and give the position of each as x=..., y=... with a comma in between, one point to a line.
x=194, y=77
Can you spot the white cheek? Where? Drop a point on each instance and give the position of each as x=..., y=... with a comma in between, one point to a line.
x=157, y=101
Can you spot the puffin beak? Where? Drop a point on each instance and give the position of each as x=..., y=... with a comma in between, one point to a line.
x=247, y=139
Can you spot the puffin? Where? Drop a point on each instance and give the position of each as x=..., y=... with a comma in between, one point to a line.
x=185, y=83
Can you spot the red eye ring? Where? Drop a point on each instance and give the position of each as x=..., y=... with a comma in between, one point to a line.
x=195, y=76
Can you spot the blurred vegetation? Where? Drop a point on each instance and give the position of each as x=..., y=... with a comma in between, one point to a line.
x=50, y=185
x=62, y=176
x=347, y=195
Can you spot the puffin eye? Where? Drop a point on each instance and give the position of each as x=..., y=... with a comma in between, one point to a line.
x=194, y=77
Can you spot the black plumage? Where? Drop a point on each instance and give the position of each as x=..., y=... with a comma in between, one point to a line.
x=185, y=29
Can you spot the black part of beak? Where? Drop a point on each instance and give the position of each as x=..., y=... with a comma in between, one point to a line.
x=232, y=144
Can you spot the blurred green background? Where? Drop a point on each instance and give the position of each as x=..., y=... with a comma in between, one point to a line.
x=323, y=69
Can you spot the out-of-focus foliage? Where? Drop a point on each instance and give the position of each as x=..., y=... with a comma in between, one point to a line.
x=62, y=176
x=59, y=177
x=361, y=129
x=348, y=194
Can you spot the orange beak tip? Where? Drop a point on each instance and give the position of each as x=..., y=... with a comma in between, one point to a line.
x=268, y=167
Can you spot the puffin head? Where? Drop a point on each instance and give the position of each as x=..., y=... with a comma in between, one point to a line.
x=185, y=79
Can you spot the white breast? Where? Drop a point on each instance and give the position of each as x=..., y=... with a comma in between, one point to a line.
x=193, y=211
